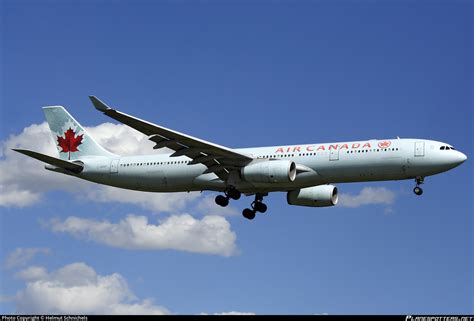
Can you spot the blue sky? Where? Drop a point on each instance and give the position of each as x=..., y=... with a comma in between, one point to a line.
x=244, y=74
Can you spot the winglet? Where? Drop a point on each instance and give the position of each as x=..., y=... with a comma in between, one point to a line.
x=98, y=104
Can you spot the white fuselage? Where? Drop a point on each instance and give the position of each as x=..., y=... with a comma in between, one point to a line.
x=371, y=160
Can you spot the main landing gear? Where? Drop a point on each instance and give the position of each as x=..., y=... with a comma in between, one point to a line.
x=248, y=213
x=224, y=200
x=418, y=190
x=257, y=206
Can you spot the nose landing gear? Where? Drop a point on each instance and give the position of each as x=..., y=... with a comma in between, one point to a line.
x=418, y=190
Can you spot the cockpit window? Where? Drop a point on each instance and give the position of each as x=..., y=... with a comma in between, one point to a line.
x=446, y=148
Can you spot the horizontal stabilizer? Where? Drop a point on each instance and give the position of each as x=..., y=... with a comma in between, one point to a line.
x=73, y=167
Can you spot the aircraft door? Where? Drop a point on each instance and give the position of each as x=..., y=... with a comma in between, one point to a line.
x=419, y=149
x=333, y=154
x=114, y=166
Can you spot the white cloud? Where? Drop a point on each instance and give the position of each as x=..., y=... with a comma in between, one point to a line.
x=32, y=273
x=367, y=196
x=210, y=235
x=21, y=256
x=77, y=289
x=27, y=181
x=24, y=180
x=15, y=197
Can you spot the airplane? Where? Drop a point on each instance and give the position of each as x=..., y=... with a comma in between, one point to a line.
x=305, y=172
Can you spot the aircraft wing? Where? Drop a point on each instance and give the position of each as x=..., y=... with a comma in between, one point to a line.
x=218, y=159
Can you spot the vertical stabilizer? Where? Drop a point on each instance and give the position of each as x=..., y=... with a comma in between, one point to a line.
x=70, y=137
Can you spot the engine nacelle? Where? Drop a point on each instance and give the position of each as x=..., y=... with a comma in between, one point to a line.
x=278, y=171
x=316, y=196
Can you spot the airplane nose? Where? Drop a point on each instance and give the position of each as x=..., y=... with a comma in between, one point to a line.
x=460, y=158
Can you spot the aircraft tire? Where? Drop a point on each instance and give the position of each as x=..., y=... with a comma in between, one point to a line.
x=222, y=200
x=248, y=214
x=418, y=190
x=260, y=207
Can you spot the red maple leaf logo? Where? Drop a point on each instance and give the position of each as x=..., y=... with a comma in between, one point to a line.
x=385, y=144
x=70, y=142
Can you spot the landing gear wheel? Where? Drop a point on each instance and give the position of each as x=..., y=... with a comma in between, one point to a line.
x=233, y=194
x=259, y=207
x=418, y=191
x=248, y=214
x=222, y=200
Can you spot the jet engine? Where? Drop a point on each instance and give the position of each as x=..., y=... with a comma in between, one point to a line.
x=278, y=171
x=316, y=196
